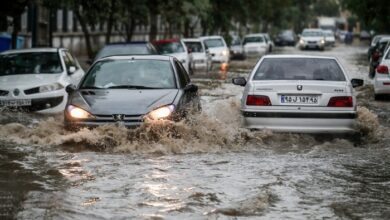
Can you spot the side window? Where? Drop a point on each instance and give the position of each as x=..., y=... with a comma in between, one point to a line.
x=68, y=59
x=183, y=76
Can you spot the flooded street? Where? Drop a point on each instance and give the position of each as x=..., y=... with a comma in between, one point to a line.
x=207, y=167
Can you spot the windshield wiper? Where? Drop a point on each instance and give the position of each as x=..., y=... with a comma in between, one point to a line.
x=130, y=87
x=91, y=87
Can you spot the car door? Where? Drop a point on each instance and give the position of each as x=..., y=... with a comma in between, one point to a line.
x=70, y=62
x=189, y=96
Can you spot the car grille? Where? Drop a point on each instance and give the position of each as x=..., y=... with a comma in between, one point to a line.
x=3, y=93
x=312, y=42
x=31, y=91
x=110, y=118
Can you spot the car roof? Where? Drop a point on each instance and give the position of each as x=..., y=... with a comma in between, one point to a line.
x=32, y=50
x=137, y=57
x=385, y=39
x=298, y=56
x=255, y=35
x=128, y=43
x=191, y=40
x=312, y=29
x=211, y=37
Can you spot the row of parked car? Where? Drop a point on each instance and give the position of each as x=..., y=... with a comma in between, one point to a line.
x=379, y=62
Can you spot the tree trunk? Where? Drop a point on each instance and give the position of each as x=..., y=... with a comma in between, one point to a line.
x=187, y=28
x=110, y=21
x=85, y=30
x=130, y=29
x=153, y=13
x=15, y=31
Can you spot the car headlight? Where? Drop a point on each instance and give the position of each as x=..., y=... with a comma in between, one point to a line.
x=322, y=41
x=78, y=113
x=301, y=41
x=161, y=113
x=51, y=87
x=225, y=53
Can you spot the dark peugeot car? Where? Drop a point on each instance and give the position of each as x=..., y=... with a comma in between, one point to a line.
x=128, y=48
x=286, y=38
x=130, y=90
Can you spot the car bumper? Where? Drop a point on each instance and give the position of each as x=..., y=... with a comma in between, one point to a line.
x=220, y=58
x=382, y=86
x=301, y=122
x=52, y=102
x=312, y=46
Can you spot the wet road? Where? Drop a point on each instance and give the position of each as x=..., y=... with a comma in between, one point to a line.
x=204, y=168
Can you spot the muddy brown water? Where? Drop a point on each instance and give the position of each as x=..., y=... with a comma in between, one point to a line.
x=207, y=167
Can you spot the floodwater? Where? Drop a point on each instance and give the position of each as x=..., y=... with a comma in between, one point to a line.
x=207, y=167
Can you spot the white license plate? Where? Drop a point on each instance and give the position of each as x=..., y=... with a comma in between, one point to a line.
x=298, y=99
x=15, y=102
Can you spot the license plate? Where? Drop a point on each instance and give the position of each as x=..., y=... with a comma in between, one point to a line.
x=294, y=99
x=15, y=103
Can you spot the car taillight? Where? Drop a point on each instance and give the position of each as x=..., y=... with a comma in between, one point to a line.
x=341, y=101
x=383, y=69
x=258, y=100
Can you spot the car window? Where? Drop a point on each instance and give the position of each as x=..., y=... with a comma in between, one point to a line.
x=170, y=47
x=299, y=69
x=72, y=61
x=195, y=47
x=257, y=39
x=215, y=42
x=30, y=63
x=68, y=60
x=145, y=73
x=184, y=79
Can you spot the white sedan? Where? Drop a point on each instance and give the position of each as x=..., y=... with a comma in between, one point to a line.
x=306, y=94
x=382, y=77
x=35, y=79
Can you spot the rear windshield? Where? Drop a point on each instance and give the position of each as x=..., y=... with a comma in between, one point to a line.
x=30, y=63
x=195, y=47
x=258, y=39
x=106, y=74
x=121, y=49
x=299, y=69
x=169, y=48
x=217, y=42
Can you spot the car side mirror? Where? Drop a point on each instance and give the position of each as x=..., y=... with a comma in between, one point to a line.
x=191, y=88
x=240, y=81
x=70, y=88
x=357, y=82
x=71, y=70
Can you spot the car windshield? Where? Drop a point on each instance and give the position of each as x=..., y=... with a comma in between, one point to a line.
x=195, y=47
x=299, y=69
x=216, y=42
x=145, y=74
x=30, y=63
x=257, y=39
x=170, y=47
x=122, y=49
x=312, y=34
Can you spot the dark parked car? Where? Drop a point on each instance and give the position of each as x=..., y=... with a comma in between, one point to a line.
x=286, y=38
x=377, y=54
x=130, y=90
x=128, y=48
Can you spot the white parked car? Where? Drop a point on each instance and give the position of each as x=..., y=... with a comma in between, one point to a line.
x=312, y=39
x=382, y=77
x=218, y=48
x=201, y=57
x=297, y=93
x=330, y=39
x=35, y=79
x=255, y=45
x=175, y=48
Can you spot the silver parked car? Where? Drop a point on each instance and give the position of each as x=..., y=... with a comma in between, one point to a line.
x=296, y=93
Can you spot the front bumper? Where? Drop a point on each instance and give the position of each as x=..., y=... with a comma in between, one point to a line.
x=219, y=58
x=130, y=121
x=41, y=104
x=301, y=122
x=313, y=45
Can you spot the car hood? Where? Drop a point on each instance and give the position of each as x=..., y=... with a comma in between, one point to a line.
x=27, y=80
x=123, y=101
